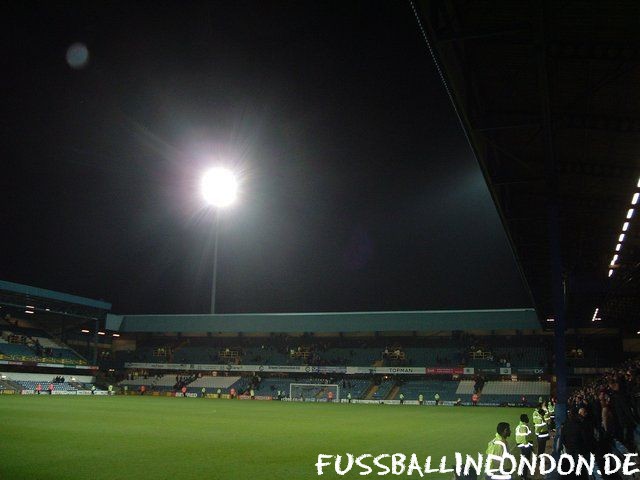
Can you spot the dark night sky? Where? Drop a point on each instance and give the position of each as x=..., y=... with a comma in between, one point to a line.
x=359, y=191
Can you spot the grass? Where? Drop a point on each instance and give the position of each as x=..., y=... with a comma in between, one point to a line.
x=64, y=437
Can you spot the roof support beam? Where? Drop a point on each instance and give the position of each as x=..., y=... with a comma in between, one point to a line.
x=558, y=285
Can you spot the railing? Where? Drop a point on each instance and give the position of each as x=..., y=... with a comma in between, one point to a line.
x=24, y=358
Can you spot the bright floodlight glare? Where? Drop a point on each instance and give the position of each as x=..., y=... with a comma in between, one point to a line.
x=618, y=247
x=625, y=226
x=634, y=200
x=630, y=213
x=219, y=187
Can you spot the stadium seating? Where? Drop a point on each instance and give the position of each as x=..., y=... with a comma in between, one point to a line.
x=213, y=383
x=428, y=388
x=31, y=385
x=14, y=349
x=34, y=345
x=358, y=388
x=433, y=356
x=505, y=392
x=383, y=390
x=152, y=382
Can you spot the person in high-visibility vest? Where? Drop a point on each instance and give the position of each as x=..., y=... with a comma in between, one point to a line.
x=551, y=410
x=219, y=392
x=204, y=392
x=349, y=397
x=437, y=398
x=93, y=389
x=420, y=399
x=110, y=390
x=524, y=435
x=402, y=399
x=499, y=446
x=252, y=394
x=541, y=429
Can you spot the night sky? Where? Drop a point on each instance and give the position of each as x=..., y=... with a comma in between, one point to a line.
x=359, y=191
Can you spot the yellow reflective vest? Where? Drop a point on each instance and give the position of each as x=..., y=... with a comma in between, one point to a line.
x=540, y=425
x=523, y=435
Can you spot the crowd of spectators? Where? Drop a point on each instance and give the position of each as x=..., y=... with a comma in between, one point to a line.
x=16, y=338
x=184, y=380
x=312, y=350
x=606, y=409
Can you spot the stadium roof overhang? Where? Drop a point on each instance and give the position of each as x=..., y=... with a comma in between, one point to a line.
x=19, y=297
x=345, y=322
x=547, y=93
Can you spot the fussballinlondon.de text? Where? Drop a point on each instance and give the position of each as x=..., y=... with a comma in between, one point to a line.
x=496, y=467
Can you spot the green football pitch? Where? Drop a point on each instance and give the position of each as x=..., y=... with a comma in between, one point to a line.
x=64, y=437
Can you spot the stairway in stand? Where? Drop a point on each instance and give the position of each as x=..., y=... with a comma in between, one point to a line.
x=372, y=390
x=392, y=394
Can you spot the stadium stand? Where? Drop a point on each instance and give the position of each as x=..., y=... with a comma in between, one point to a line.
x=383, y=390
x=213, y=383
x=505, y=392
x=27, y=343
x=434, y=356
x=31, y=385
x=411, y=389
x=357, y=388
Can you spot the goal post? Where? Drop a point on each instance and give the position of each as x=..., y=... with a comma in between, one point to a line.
x=314, y=392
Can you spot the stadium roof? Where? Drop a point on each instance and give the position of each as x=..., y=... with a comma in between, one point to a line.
x=15, y=294
x=547, y=93
x=442, y=320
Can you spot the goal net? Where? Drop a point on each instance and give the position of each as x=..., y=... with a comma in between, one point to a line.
x=315, y=392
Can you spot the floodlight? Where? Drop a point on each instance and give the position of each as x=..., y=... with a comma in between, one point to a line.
x=625, y=226
x=634, y=200
x=630, y=213
x=219, y=187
